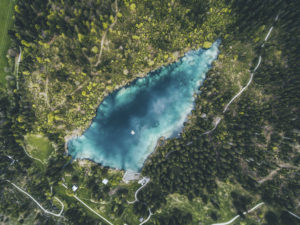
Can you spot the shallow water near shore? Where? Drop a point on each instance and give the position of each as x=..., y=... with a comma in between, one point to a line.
x=130, y=121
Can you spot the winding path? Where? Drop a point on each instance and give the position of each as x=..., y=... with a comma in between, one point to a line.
x=138, y=190
x=239, y=93
x=92, y=210
x=218, y=120
x=244, y=88
x=39, y=205
x=237, y=216
x=249, y=82
x=148, y=218
x=24, y=148
x=225, y=109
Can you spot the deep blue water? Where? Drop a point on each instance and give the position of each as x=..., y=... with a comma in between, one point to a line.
x=130, y=121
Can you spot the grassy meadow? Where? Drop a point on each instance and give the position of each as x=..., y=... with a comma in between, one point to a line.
x=6, y=19
x=38, y=147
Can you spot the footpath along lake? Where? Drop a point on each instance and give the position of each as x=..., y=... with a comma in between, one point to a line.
x=130, y=121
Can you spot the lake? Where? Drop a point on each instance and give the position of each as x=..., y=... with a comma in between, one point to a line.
x=130, y=120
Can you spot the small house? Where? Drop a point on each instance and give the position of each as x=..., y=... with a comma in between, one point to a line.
x=104, y=181
x=74, y=188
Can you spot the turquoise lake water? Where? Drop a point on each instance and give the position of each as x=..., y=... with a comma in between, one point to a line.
x=130, y=121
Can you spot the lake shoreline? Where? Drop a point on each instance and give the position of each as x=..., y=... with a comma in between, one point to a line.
x=80, y=131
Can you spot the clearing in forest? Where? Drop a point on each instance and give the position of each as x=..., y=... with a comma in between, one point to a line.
x=38, y=146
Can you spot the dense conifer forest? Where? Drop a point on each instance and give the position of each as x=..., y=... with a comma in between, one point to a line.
x=74, y=53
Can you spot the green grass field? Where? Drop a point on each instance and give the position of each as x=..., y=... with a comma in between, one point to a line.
x=6, y=19
x=38, y=146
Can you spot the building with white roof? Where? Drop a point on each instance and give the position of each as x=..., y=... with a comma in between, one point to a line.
x=105, y=181
x=74, y=188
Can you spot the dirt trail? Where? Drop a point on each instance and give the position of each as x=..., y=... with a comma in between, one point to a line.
x=105, y=33
x=274, y=172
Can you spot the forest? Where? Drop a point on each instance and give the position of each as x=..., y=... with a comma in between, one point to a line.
x=74, y=53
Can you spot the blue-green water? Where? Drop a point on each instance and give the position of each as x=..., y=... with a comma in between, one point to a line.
x=130, y=121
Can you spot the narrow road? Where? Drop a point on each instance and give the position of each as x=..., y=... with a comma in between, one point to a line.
x=217, y=121
x=258, y=64
x=148, y=218
x=251, y=76
x=92, y=210
x=39, y=205
x=255, y=207
x=24, y=148
x=229, y=103
x=298, y=217
x=137, y=191
x=229, y=222
x=238, y=94
x=266, y=38
x=62, y=204
x=237, y=216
